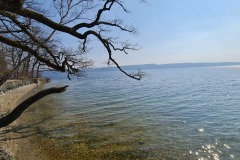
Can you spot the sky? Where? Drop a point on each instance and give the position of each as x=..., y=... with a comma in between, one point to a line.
x=179, y=31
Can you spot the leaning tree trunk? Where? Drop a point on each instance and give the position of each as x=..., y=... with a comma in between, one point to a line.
x=16, y=113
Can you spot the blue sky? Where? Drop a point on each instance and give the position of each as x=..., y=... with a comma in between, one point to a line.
x=176, y=31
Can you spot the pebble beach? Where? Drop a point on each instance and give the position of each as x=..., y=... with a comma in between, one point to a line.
x=10, y=144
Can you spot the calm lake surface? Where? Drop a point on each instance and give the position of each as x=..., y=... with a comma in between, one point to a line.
x=184, y=113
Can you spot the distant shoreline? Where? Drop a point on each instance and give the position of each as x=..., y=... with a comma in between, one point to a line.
x=164, y=66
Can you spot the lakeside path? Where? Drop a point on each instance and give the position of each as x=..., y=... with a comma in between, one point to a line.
x=10, y=143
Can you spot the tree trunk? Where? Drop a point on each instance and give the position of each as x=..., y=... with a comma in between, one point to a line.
x=38, y=68
x=16, y=113
x=33, y=69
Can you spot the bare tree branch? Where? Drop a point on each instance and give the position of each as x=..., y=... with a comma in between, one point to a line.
x=10, y=73
x=30, y=30
x=33, y=52
x=64, y=9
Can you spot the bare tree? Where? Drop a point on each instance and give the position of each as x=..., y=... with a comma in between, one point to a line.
x=30, y=26
x=3, y=62
x=11, y=61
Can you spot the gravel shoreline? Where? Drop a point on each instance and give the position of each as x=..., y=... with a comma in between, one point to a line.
x=4, y=155
x=9, y=148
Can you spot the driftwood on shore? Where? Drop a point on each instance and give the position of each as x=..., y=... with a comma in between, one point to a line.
x=12, y=116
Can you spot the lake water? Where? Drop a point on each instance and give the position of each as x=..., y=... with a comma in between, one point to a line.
x=184, y=113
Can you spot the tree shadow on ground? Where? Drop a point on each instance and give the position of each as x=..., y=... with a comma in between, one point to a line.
x=26, y=130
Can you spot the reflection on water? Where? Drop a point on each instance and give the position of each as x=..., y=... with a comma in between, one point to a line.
x=213, y=151
x=171, y=114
